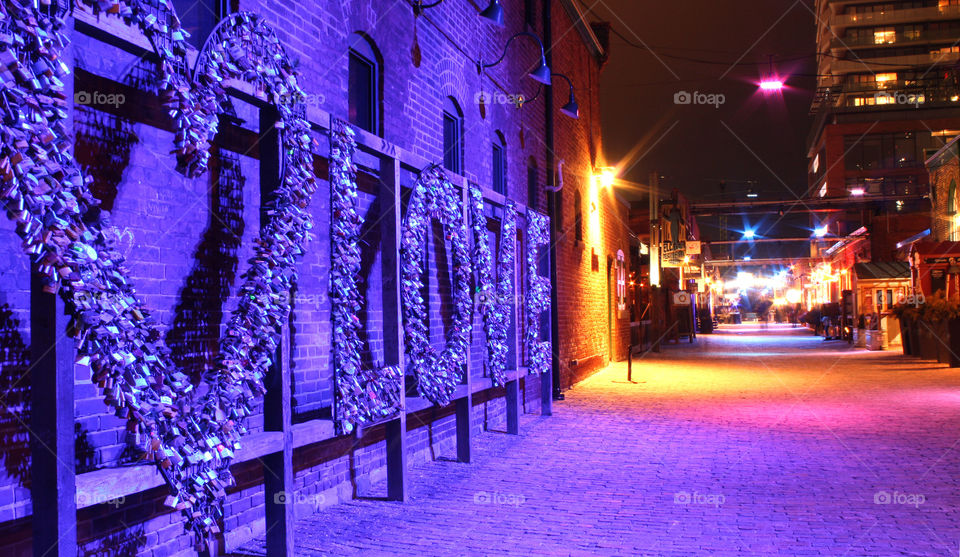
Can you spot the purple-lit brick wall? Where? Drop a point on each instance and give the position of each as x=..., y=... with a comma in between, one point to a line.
x=187, y=242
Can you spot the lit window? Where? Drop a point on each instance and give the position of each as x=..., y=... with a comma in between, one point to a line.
x=621, y=281
x=883, y=78
x=884, y=35
x=823, y=190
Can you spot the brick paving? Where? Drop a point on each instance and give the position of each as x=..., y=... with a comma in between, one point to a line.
x=746, y=443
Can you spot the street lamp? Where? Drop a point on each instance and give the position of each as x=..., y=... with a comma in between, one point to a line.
x=749, y=234
x=541, y=73
x=493, y=12
x=820, y=231
x=771, y=85
x=571, y=109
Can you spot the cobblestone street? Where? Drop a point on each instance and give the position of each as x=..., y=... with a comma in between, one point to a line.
x=747, y=442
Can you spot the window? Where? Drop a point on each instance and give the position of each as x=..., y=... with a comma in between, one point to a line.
x=499, y=164
x=452, y=136
x=884, y=35
x=883, y=78
x=952, y=198
x=200, y=17
x=530, y=13
x=533, y=188
x=621, y=281
x=578, y=216
x=364, y=85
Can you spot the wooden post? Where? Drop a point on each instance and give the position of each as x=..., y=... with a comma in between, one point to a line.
x=278, y=477
x=546, y=379
x=278, y=483
x=513, y=356
x=465, y=403
x=53, y=490
x=396, y=429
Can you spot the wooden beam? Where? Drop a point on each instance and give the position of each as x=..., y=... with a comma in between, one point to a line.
x=396, y=429
x=516, y=344
x=278, y=484
x=464, y=403
x=52, y=464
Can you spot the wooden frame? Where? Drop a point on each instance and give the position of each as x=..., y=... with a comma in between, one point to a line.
x=58, y=492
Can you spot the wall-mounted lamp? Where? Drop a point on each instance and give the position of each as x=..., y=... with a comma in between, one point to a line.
x=571, y=109
x=493, y=12
x=541, y=73
x=605, y=176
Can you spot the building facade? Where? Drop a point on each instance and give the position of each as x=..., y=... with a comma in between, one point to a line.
x=413, y=87
x=887, y=98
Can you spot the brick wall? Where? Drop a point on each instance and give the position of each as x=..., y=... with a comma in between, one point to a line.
x=187, y=242
x=943, y=171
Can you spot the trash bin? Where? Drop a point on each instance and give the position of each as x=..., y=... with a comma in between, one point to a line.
x=706, y=321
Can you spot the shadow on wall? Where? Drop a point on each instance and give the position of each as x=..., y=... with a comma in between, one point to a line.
x=14, y=399
x=125, y=543
x=194, y=336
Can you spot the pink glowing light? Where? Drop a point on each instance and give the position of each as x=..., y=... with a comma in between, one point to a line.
x=771, y=84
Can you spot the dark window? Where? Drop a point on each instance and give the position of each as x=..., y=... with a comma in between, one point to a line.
x=200, y=17
x=452, y=137
x=499, y=165
x=952, y=198
x=578, y=216
x=530, y=12
x=533, y=190
x=363, y=86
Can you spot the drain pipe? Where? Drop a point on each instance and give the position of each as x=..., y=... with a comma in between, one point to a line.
x=552, y=195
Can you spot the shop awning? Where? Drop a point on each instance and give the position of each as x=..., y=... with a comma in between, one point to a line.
x=882, y=270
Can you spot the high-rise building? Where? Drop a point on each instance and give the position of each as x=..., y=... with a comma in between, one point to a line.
x=888, y=96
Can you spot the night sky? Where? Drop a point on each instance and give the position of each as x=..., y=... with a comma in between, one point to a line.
x=751, y=136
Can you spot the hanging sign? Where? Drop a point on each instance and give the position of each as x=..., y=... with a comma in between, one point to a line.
x=681, y=298
x=693, y=248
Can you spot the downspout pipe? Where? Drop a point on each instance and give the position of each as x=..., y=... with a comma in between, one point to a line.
x=552, y=207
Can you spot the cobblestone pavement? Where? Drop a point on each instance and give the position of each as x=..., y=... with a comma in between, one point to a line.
x=746, y=443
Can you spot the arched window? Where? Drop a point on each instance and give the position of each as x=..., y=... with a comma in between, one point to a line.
x=499, y=164
x=200, y=17
x=452, y=136
x=578, y=216
x=952, y=198
x=533, y=187
x=621, y=281
x=364, y=84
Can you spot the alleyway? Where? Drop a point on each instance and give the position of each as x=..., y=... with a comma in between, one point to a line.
x=748, y=442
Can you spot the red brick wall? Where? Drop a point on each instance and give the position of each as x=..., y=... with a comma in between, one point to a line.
x=583, y=292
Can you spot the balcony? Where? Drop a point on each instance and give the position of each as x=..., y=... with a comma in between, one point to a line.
x=891, y=63
x=891, y=17
x=900, y=40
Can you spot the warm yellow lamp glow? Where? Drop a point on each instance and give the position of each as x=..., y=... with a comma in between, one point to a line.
x=605, y=176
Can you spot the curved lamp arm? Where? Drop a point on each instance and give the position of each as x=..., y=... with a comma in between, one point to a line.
x=541, y=74
x=418, y=5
